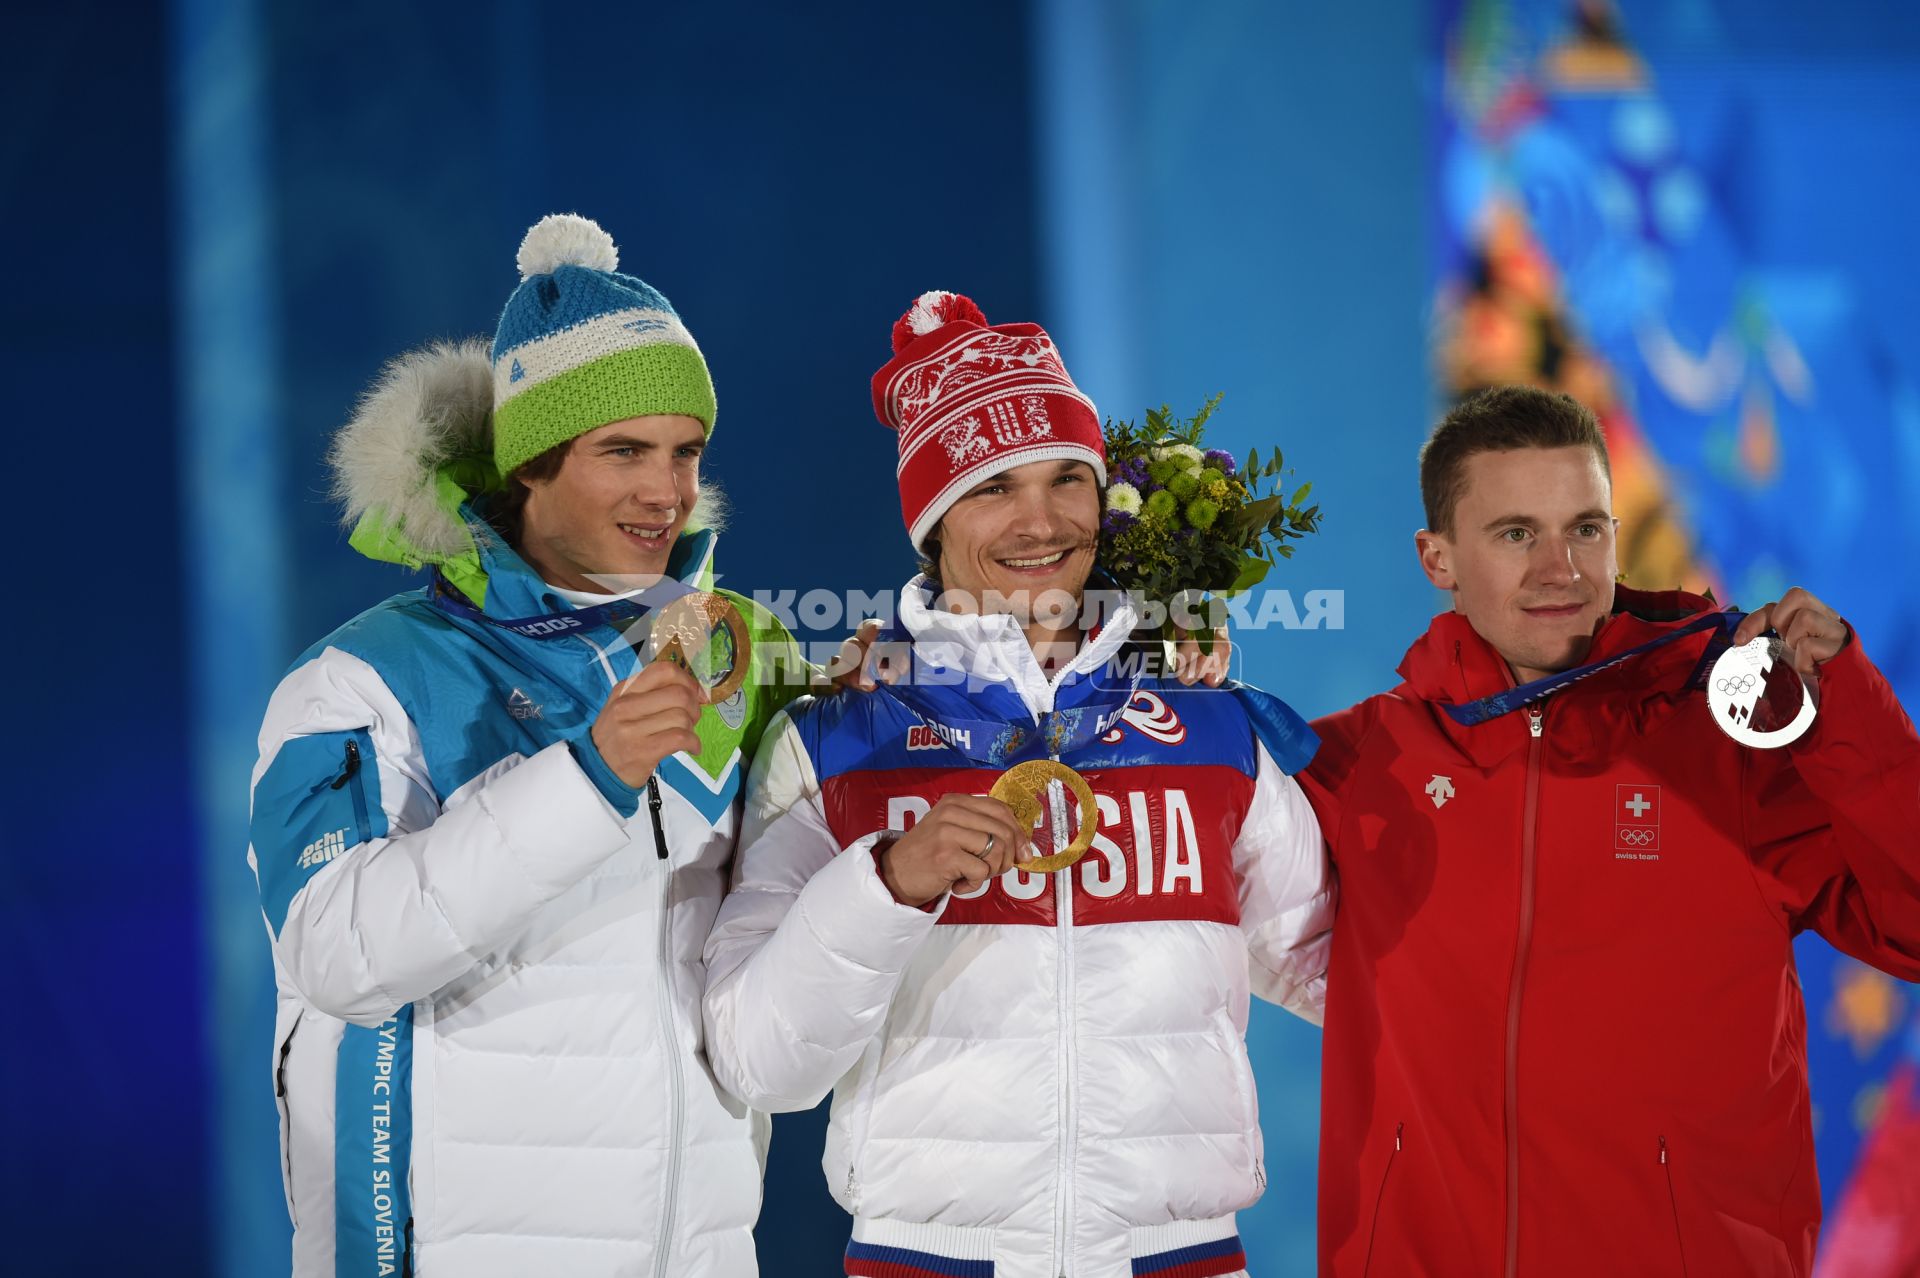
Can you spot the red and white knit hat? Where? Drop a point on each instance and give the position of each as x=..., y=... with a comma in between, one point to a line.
x=969, y=400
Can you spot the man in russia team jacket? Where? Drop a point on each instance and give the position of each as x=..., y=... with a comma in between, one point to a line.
x=1564, y=1035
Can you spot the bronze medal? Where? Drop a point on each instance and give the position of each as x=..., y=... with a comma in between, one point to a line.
x=703, y=632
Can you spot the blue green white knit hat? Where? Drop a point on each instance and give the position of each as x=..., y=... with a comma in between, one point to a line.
x=580, y=345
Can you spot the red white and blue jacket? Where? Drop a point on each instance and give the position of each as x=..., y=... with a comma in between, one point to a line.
x=1048, y=1075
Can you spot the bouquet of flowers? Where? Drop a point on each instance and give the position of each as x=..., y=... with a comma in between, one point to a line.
x=1185, y=528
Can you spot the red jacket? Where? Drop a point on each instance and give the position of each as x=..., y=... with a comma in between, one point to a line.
x=1564, y=1034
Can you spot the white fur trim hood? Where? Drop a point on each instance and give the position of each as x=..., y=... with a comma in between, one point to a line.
x=427, y=408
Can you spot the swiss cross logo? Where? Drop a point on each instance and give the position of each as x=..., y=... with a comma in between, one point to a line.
x=1636, y=822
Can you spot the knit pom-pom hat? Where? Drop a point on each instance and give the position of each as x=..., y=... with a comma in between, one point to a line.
x=970, y=399
x=580, y=345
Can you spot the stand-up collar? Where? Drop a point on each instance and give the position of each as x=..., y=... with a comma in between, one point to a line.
x=992, y=648
x=1453, y=663
x=514, y=589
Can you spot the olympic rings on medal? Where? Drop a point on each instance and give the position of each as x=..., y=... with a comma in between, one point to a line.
x=1733, y=687
x=693, y=625
x=1021, y=788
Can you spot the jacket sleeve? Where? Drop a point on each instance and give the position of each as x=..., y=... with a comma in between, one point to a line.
x=1833, y=822
x=375, y=892
x=1287, y=893
x=1327, y=778
x=809, y=947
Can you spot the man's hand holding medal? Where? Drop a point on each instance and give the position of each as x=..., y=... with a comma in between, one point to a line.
x=1811, y=631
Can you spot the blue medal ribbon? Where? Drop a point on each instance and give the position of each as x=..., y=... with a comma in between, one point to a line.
x=929, y=696
x=559, y=625
x=1478, y=712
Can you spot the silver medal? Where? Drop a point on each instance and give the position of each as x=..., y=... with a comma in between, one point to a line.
x=1736, y=693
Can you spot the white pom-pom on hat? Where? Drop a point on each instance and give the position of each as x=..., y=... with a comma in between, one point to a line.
x=566, y=239
x=925, y=314
x=931, y=310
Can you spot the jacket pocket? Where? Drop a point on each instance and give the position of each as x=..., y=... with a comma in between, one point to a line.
x=318, y=800
x=356, y=755
x=282, y=1049
x=1245, y=1099
x=1673, y=1204
x=1380, y=1194
x=860, y=1122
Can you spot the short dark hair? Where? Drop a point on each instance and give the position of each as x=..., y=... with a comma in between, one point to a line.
x=930, y=554
x=1497, y=420
x=507, y=512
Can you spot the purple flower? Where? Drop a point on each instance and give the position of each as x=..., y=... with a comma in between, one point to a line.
x=1220, y=457
x=1132, y=472
x=1115, y=521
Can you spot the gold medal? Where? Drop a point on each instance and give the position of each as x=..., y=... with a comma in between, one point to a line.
x=1022, y=788
x=704, y=628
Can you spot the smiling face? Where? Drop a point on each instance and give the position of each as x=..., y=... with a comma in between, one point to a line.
x=1030, y=529
x=621, y=497
x=1531, y=556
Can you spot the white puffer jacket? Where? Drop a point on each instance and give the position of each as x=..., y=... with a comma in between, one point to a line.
x=1048, y=1077
x=488, y=1047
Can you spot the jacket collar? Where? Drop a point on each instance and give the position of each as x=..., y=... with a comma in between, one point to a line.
x=515, y=590
x=992, y=649
x=1452, y=663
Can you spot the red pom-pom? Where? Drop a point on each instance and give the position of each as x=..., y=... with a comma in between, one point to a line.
x=929, y=311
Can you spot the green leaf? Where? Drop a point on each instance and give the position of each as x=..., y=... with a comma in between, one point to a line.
x=1260, y=512
x=1252, y=573
x=1206, y=411
x=1299, y=493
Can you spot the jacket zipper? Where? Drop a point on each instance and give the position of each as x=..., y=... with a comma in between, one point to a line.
x=675, y=1100
x=668, y=1033
x=653, y=810
x=1536, y=727
x=1063, y=907
x=350, y=772
x=1399, y=1130
x=1673, y=1201
x=286, y=1112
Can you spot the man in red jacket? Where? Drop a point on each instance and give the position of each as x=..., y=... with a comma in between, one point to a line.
x=1564, y=1035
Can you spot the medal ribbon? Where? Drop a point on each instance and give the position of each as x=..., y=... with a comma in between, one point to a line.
x=1486, y=708
x=997, y=743
x=560, y=625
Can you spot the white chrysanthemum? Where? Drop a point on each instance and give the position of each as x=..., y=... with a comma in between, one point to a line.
x=1187, y=455
x=1124, y=498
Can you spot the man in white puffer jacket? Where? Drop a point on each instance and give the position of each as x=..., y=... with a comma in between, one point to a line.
x=1034, y=1074
x=491, y=836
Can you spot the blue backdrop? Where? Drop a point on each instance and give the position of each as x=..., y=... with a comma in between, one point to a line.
x=223, y=215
